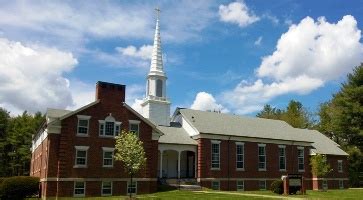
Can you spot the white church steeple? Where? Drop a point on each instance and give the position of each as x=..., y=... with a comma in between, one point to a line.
x=156, y=105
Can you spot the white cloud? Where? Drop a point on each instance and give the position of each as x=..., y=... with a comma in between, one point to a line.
x=317, y=49
x=144, y=52
x=32, y=77
x=205, y=101
x=237, y=13
x=307, y=56
x=258, y=41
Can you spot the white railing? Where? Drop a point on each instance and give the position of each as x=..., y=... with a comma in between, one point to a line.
x=151, y=97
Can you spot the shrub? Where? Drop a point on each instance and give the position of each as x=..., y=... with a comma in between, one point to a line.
x=277, y=187
x=19, y=187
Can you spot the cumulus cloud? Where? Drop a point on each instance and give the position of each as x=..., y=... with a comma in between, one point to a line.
x=32, y=77
x=237, y=13
x=205, y=101
x=307, y=56
x=144, y=52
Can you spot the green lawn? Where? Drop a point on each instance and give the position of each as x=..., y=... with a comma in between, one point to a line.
x=209, y=194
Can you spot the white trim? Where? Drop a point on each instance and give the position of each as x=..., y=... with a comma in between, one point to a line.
x=258, y=157
x=330, y=179
x=284, y=148
x=134, y=121
x=127, y=187
x=219, y=154
x=95, y=179
x=219, y=185
x=243, y=185
x=251, y=139
x=83, y=117
x=104, y=150
x=80, y=148
x=265, y=187
x=84, y=189
x=303, y=156
x=102, y=194
x=340, y=163
x=79, y=109
x=243, y=156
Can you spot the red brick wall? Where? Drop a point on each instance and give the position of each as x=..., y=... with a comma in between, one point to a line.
x=61, y=148
x=250, y=161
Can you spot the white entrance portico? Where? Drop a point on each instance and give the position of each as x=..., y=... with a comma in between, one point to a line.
x=177, y=153
x=177, y=161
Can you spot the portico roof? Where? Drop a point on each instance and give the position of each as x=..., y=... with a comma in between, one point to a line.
x=175, y=135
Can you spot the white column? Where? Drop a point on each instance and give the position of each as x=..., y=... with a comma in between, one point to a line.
x=161, y=164
x=179, y=164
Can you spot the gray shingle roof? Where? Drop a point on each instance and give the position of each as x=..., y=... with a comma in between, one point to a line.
x=227, y=124
x=322, y=144
x=175, y=135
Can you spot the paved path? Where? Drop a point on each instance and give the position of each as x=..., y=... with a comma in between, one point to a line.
x=251, y=195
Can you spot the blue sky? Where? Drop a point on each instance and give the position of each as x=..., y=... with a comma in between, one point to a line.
x=233, y=56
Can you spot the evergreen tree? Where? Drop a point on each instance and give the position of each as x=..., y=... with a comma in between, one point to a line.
x=269, y=112
x=4, y=147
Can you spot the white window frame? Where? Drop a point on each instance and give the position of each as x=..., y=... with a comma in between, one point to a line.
x=298, y=159
x=74, y=189
x=238, y=185
x=219, y=185
x=104, y=150
x=128, y=184
x=80, y=148
x=284, y=157
x=324, y=184
x=341, y=184
x=135, y=122
x=264, y=155
x=216, y=142
x=340, y=166
x=103, y=194
x=83, y=117
x=259, y=184
x=242, y=154
x=116, y=128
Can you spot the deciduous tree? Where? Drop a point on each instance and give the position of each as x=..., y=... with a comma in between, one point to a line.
x=130, y=151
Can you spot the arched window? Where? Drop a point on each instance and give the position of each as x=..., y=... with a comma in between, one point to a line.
x=109, y=127
x=159, y=88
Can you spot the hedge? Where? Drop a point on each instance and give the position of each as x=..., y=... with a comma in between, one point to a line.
x=19, y=187
x=277, y=187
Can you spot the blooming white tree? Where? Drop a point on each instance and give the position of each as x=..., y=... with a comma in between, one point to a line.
x=130, y=151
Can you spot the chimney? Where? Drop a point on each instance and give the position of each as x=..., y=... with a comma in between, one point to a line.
x=110, y=92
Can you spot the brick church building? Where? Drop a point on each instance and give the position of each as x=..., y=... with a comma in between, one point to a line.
x=73, y=151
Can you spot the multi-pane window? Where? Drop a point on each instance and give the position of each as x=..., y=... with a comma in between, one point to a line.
x=79, y=188
x=215, y=154
x=134, y=126
x=261, y=157
x=282, y=157
x=83, y=124
x=107, y=156
x=109, y=127
x=132, y=187
x=325, y=184
x=81, y=156
x=240, y=155
x=262, y=184
x=300, y=158
x=215, y=185
x=106, y=188
x=340, y=166
x=341, y=184
x=240, y=185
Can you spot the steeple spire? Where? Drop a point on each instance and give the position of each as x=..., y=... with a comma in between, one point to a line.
x=157, y=57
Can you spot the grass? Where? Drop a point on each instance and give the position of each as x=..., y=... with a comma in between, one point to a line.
x=209, y=194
